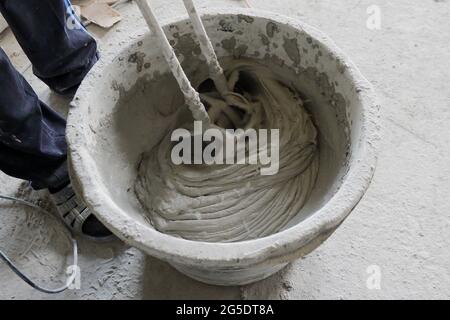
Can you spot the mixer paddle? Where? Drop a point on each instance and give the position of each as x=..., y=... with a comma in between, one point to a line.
x=222, y=114
x=190, y=94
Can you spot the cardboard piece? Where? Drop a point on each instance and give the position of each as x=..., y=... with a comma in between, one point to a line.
x=101, y=14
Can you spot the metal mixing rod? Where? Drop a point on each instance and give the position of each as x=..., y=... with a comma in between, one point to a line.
x=217, y=108
x=191, y=96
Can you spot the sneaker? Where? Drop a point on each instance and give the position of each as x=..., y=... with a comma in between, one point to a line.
x=77, y=216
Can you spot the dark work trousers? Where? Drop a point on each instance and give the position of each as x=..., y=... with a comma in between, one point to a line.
x=32, y=136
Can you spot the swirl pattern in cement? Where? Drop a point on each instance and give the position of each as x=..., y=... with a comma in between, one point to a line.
x=230, y=203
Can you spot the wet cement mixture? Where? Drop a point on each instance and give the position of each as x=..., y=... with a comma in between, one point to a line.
x=235, y=202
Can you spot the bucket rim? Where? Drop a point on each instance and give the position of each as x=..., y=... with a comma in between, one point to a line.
x=283, y=246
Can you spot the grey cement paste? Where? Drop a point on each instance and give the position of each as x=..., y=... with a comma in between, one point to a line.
x=228, y=203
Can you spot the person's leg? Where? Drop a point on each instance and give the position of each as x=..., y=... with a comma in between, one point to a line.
x=32, y=136
x=60, y=49
x=33, y=148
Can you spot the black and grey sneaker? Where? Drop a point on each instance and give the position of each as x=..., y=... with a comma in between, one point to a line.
x=77, y=216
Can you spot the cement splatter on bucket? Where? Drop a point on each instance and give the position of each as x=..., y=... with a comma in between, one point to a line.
x=125, y=114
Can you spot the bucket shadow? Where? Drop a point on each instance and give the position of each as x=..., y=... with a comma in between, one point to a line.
x=276, y=287
x=161, y=281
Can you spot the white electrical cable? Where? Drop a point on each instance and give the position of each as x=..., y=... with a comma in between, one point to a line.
x=24, y=277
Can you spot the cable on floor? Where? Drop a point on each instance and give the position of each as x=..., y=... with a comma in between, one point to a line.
x=70, y=280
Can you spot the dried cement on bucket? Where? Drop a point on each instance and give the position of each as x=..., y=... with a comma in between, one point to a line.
x=124, y=107
x=230, y=203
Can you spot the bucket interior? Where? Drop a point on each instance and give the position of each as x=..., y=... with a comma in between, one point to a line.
x=136, y=95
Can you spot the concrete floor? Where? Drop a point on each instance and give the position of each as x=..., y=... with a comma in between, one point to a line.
x=398, y=234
